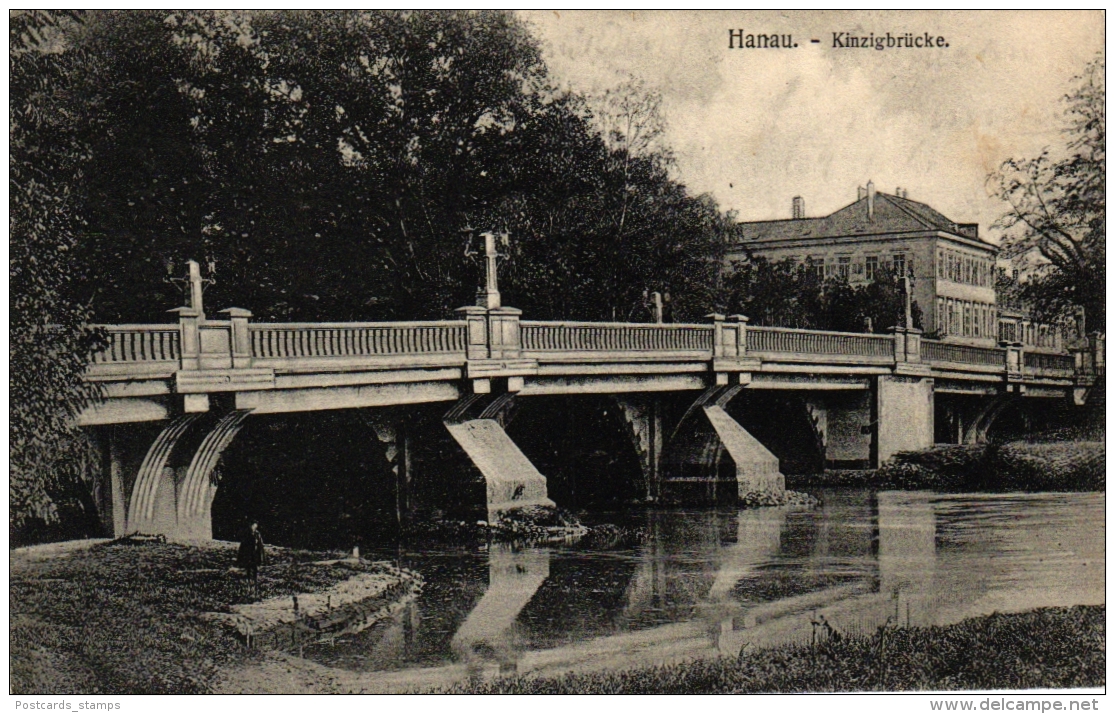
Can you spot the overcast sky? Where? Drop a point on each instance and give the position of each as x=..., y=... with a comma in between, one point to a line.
x=757, y=127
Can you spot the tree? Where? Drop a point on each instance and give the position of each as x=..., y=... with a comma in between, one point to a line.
x=789, y=294
x=324, y=164
x=1058, y=210
x=49, y=456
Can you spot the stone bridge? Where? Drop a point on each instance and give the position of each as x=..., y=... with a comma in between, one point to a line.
x=869, y=396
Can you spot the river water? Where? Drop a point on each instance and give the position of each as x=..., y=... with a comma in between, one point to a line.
x=705, y=583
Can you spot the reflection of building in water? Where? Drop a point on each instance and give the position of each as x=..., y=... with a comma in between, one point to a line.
x=514, y=576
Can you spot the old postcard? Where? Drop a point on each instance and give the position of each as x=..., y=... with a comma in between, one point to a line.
x=687, y=352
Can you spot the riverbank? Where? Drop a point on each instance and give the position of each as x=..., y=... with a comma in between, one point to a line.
x=1030, y=466
x=147, y=617
x=1053, y=648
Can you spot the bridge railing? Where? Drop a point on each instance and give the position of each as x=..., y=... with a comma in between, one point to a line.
x=139, y=343
x=1049, y=364
x=356, y=339
x=815, y=342
x=935, y=351
x=614, y=337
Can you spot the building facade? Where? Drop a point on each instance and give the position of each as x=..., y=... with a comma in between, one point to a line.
x=953, y=269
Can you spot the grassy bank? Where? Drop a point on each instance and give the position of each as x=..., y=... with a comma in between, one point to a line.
x=1055, y=648
x=128, y=617
x=1014, y=466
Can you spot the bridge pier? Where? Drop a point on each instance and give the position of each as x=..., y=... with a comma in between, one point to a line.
x=698, y=471
x=904, y=405
x=152, y=508
x=394, y=434
x=165, y=486
x=642, y=413
x=511, y=481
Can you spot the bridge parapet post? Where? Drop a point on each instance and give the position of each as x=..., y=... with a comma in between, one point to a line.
x=494, y=347
x=907, y=345
x=1096, y=353
x=1015, y=360
x=240, y=340
x=729, y=348
x=189, y=320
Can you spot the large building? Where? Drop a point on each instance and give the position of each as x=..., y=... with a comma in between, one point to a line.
x=953, y=269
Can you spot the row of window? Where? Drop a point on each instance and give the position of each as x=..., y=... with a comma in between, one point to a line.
x=961, y=268
x=843, y=267
x=1030, y=334
x=965, y=318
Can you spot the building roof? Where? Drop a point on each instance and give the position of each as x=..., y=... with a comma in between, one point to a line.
x=893, y=214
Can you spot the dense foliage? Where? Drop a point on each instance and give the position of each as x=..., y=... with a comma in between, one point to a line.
x=48, y=339
x=321, y=166
x=1058, y=210
x=790, y=294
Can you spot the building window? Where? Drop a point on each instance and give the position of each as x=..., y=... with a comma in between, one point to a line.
x=871, y=266
x=940, y=263
x=967, y=320
x=819, y=268
x=976, y=324
x=843, y=267
x=900, y=264
x=941, y=321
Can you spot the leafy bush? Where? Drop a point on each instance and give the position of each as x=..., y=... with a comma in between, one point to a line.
x=1015, y=466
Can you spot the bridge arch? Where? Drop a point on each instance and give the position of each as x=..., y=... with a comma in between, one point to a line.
x=314, y=479
x=789, y=424
x=583, y=446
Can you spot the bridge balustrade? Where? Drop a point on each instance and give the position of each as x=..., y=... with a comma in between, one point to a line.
x=139, y=343
x=935, y=351
x=1049, y=363
x=356, y=339
x=615, y=337
x=814, y=342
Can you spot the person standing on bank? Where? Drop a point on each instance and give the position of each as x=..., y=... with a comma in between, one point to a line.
x=251, y=554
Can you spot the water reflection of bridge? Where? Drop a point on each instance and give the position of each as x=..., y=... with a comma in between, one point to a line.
x=705, y=585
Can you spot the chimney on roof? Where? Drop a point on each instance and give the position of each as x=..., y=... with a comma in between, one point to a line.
x=898, y=192
x=861, y=193
x=870, y=201
x=799, y=207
